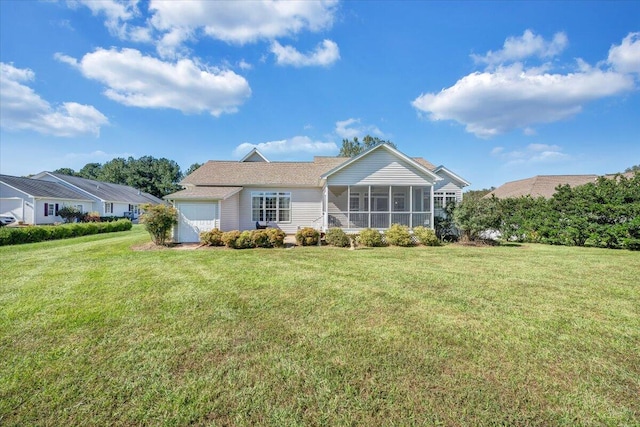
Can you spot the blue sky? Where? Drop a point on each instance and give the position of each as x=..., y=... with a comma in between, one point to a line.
x=495, y=91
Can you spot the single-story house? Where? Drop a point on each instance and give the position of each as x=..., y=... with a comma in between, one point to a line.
x=375, y=189
x=36, y=200
x=544, y=185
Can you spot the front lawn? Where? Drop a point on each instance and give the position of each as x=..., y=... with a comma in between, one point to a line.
x=93, y=333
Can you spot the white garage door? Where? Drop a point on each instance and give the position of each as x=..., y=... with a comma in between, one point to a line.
x=196, y=218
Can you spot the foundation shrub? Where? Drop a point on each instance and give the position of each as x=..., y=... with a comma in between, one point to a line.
x=260, y=239
x=229, y=238
x=307, y=236
x=212, y=238
x=426, y=236
x=370, y=237
x=245, y=240
x=398, y=235
x=276, y=237
x=337, y=237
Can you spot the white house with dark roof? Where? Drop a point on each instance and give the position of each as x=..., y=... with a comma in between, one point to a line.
x=108, y=199
x=36, y=200
x=33, y=201
x=375, y=189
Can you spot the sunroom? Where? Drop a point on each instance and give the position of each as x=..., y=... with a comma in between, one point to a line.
x=353, y=207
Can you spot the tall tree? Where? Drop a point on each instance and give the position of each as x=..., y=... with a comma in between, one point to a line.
x=192, y=168
x=91, y=171
x=351, y=148
x=66, y=171
x=633, y=168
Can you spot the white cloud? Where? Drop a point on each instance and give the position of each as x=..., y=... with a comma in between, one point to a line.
x=117, y=13
x=351, y=128
x=511, y=96
x=142, y=81
x=324, y=55
x=625, y=58
x=21, y=108
x=528, y=45
x=287, y=147
x=241, y=21
x=532, y=153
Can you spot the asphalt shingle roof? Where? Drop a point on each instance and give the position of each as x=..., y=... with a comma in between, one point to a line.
x=204, y=193
x=540, y=185
x=40, y=188
x=233, y=173
x=108, y=191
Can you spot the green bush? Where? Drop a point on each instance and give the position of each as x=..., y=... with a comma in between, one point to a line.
x=70, y=214
x=398, y=235
x=229, y=238
x=158, y=221
x=370, y=237
x=40, y=233
x=245, y=240
x=260, y=239
x=426, y=236
x=276, y=237
x=211, y=238
x=307, y=236
x=337, y=237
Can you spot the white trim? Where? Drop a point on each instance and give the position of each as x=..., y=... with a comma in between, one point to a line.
x=391, y=150
x=458, y=178
x=251, y=153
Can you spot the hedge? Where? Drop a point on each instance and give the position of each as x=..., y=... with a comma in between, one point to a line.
x=40, y=233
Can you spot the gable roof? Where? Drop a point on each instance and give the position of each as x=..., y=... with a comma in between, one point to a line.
x=458, y=178
x=233, y=173
x=254, y=156
x=42, y=189
x=539, y=185
x=418, y=165
x=106, y=191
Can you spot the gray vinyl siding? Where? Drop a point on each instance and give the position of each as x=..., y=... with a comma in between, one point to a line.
x=448, y=185
x=306, y=208
x=380, y=167
x=230, y=213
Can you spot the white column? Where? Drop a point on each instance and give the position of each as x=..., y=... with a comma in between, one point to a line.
x=326, y=207
x=432, y=208
x=411, y=206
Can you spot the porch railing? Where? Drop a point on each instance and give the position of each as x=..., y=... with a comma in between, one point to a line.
x=381, y=220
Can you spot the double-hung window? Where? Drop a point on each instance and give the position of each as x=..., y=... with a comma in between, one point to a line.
x=438, y=200
x=271, y=206
x=108, y=208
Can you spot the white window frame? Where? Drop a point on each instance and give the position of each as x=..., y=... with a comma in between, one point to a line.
x=51, y=209
x=271, y=206
x=108, y=208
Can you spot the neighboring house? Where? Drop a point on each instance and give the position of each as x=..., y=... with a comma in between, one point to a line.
x=377, y=188
x=33, y=201
x=108, y=199
x=36, y=200
x=544, y=185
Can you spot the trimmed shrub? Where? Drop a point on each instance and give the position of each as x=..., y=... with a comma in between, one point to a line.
x=40, y=233
x=426, y=236
x=158, y=221
x=398, y=235
x=337, y=237
x=211, y=238
x=245, y=240
x=276, y=237
x=370, y=237
x=260, y=239
x=307, y=236
x=229, y=238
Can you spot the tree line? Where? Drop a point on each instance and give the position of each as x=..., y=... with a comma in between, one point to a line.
x=154, y=176
x=603, y=214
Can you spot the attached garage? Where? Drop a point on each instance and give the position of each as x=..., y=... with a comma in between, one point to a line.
x=194, y=218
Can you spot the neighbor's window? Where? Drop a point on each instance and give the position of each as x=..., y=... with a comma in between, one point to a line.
x=438, y=200
x=108, y=208
x=450, y=198
x=52, y=209
x=271, y=206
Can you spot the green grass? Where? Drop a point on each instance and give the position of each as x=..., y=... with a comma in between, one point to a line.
x=93, y=333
